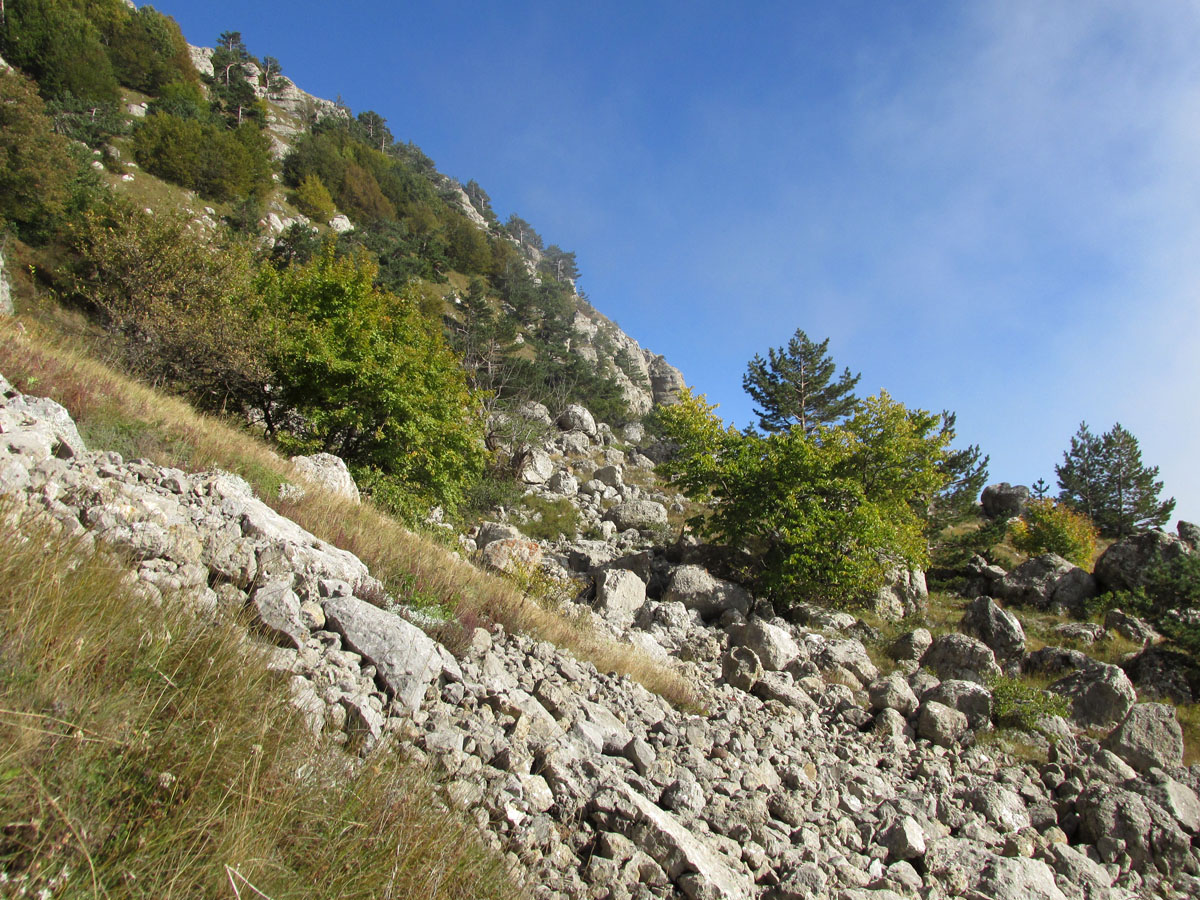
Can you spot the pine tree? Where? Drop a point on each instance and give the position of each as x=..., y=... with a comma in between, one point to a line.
x=795, y=386
x=965, y=472
x=1133, y=490
x=1081, y=475
x=1104, y=477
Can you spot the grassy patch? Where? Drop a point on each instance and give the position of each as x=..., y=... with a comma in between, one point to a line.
x=546, y=519
x=146, y=754
x=169, y=432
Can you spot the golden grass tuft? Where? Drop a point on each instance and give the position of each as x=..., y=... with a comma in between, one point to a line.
x=118, y=413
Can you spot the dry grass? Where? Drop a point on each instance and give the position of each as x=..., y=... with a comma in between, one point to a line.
x=144, y=753
x=118, y=413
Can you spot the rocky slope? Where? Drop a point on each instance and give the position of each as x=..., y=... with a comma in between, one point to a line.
x=807, y=774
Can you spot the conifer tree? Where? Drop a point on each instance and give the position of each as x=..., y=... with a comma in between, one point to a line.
x=795, y=386
x=1104, y=477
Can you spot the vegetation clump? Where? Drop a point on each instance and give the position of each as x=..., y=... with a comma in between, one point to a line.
x=1048, y=526
x=1019, y=704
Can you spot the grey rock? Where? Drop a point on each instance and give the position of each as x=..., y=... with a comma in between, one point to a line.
x=849, y=656
x=52, y=418
x=512, y=555
x=1099, y=695
x=577, y=418
x=534, y=465
x=904, y=839
x=619, y=595
x=610, y=476
x=1120, y=822
x=1018, y=878
x=495, y=531
x=1123, y=565
x=1148, y=737
x=563, y=482
x=911, y=645
x=893, y=692
x=970, y=698
x=1189, y=533
x=1086, y=633
x=406, y=659
x=278, y=608
x=644, y=515
x=940, y=724
x=329, y=473
x=963, y=657
x=532, y=411
x=696, y=589
x=1046, y=581
x=741, y=668
x=1129, y=627
x=773, y=645
x=903, y=594
x=996, y=627
x=6, y=303
x=1004, y=500
x=679, y=851
x=1003, y=808
x=1177, y=799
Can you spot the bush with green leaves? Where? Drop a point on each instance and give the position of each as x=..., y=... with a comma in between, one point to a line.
x=1018, y=704
x=366, y=376
x=825, y=515
x=1048, y=526
x=216, y=162
x=36, y=165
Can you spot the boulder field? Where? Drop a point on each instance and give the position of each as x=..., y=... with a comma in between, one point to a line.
x=806, y=773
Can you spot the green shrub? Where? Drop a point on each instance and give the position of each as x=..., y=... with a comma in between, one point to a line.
x=549, y=519
x=827, y=514
x=215, y=162
x=313, y=199
x=1052, y=527
x=1018, y=704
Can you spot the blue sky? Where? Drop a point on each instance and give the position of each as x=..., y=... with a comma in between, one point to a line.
x=990, y=207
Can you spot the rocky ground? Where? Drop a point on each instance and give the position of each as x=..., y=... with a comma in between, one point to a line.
x=806, y=774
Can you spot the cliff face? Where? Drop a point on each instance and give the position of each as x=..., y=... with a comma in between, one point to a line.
x=645, y=378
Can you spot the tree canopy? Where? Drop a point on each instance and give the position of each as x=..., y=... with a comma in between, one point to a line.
x=1104, y=478
x=795, y=386
x=825, y=514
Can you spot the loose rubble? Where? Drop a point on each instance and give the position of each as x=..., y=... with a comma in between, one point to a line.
x=806, y=773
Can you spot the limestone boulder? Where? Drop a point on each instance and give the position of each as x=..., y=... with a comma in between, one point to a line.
x=329, y=473
x=940, y=724
x=619, y=595
x=963, y=657
x=903, y=594
x=1122, y=567
x=698, y=590
x=1004, y=500
x=1099, y=694
x=996, y=627
x=534, y=465
x=1045, y=582
x=577, y=418
x=643, y=515
x=512, y=555
x=772, y=644
x=968, y=697
x=1148, y=737
x=407, y=660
